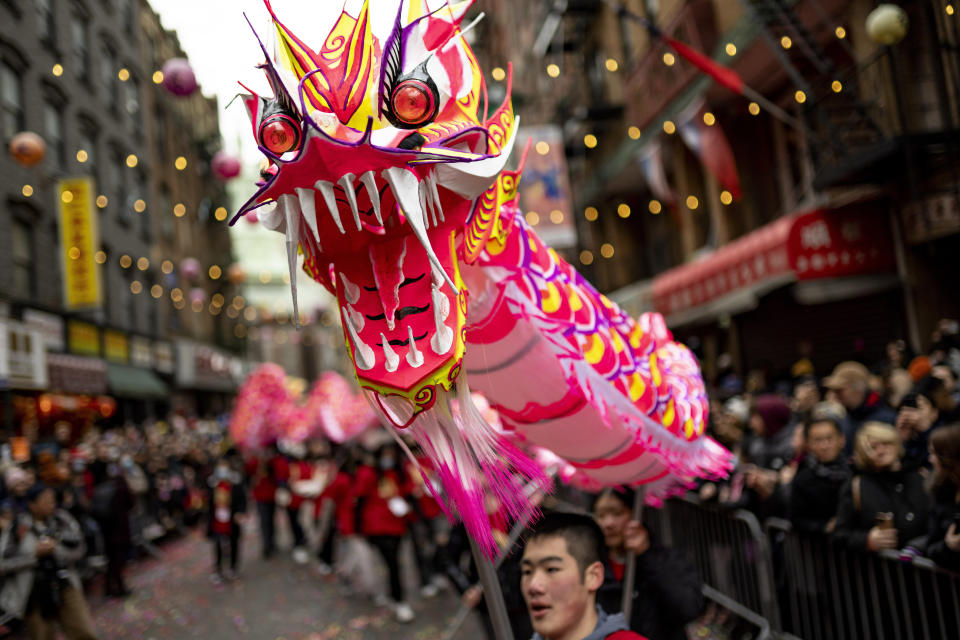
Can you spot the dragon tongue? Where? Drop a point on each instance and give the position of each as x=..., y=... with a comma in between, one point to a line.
x=406, y=191
x=387, y=261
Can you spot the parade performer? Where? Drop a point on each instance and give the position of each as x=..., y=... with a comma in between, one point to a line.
x=386, y=170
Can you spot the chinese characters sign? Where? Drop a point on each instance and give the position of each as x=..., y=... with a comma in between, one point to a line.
x=79, y=240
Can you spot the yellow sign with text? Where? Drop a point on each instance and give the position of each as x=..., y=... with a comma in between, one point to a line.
x=79, y=241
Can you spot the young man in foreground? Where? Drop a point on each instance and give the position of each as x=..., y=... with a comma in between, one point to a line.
x=562, y=569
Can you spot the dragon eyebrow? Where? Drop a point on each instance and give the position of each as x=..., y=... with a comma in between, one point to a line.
x=402, y=284
x=400, y=343
x=401, y=313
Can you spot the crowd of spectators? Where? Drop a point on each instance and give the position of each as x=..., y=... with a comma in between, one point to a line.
x=76, y=507
x=867, y=455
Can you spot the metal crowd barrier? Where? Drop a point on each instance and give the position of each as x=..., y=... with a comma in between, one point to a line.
x=731, y=553
x=790, y=584
x=828, y=592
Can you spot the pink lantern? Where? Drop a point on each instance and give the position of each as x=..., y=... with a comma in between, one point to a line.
x=190, y=268
x=251, y=217
x=178, y=77
x=28, y=149
x=198, y=296
x=225, y=166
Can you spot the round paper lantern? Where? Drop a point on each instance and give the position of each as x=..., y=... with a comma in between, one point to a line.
x=28, y=149
x=887, y=24
x=251, y=217
x=236, y=274
x=198, y=295
x=225, y=166
x=178, y=77
x=190, y=268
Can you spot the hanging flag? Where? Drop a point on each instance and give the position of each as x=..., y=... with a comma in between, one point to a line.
x=722, y=75
x=651, y=163
x=710, y=145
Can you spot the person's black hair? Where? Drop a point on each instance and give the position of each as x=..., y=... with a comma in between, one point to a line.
x=583, y=536
x=34, y=492
x=819, y=419
x=929, y=387
x=625, y=495
x=908, y=401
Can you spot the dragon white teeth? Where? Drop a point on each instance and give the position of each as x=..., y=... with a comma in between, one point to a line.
x=350, y=291
x=370, y=182
x=356, y=318
x=326, y=190
x=290, y=210
x=346, y=181
x=271, y=217
x=405, y=188
x=432, y=184
x=442, y=340
x=425, y=205
x=362, y=354
x=309, y=208
x=414, y=357
x=393, y=360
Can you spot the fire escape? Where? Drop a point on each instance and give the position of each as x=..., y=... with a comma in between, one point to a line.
x=845, y=120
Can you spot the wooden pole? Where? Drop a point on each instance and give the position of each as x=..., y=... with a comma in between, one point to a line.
x=492, y=594
x=630, y=569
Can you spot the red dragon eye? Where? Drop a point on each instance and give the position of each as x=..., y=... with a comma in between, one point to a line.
x=279, y=133
x=413, y=102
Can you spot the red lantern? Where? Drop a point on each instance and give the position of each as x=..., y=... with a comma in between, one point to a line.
x=225, y=166
x=178, y=77
x=28, y=149
x=236, y=274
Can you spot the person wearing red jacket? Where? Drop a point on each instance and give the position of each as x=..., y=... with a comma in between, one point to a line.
x=383, y=509
x=266, y=472
x=300, y=471
x=429, y=529
x=228, y=504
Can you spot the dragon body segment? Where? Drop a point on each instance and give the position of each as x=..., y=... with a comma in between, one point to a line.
x=386, y=171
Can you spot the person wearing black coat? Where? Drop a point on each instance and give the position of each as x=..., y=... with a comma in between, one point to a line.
x=815, y=491
x=943, y=539
x=667, y=592
x=884, y=506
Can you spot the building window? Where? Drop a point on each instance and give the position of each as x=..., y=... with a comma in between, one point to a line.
x=108, y=76
x=87, y=141
x=21, y=253
x=129, y=303
x=11, y=96
x=46, y=23
x=53, y=124
x=119, y=185
x=132, y=97
x=81, y=46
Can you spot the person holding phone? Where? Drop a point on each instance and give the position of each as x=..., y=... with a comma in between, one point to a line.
x=884, y=505
x=943, y=541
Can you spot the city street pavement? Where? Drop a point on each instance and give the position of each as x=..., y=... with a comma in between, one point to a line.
x=275, y=599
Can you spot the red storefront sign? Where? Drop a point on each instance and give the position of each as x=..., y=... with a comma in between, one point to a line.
x=823, y=243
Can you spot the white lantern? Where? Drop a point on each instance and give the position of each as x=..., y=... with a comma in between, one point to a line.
x=887, y=24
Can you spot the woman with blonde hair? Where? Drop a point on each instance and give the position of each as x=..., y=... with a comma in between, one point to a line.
x=883, y=506
x=943, y=543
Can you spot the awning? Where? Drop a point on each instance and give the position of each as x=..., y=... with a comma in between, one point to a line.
x=823, y=243
x=132, y=382
x=77, y=374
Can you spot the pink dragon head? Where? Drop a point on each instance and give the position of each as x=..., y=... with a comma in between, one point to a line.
x=378, y=149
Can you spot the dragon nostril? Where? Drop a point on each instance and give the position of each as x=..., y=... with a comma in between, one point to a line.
x=412, y=141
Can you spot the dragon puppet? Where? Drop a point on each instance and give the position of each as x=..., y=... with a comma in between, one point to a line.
x=388, y=172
